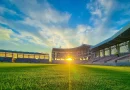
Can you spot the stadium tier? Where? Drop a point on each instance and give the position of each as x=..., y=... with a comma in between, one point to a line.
x=110, y=50
x=23, y=57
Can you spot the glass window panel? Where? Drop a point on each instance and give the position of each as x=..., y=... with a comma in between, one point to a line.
x=14, y=55
x=41, y=56
x=36, y=56
x=25, y=55
x=2, y=54
x=8, y=54
x=31, y=56
x=20, y=55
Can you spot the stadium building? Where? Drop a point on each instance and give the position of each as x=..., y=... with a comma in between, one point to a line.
x=23, y=57
x=78, y=54
x=112, y=51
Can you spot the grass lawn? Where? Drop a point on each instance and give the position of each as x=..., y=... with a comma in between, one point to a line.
x=18, y=76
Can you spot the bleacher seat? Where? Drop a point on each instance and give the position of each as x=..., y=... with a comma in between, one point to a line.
x=5, y=59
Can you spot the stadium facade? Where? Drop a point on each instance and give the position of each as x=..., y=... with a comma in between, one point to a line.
x=112, y=51
x=78, y=54
x=23, y=57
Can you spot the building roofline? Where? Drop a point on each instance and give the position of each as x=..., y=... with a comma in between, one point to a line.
x=71, y=48
x=2, y=50
x=113, y=37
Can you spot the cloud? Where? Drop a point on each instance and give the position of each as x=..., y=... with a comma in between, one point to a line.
x=5, y=34
x=3, y=10
x=44, y=27
x=101, y=11
x=43, y=12
x=10, y=36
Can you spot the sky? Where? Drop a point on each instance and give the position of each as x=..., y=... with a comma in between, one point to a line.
x=40, y=25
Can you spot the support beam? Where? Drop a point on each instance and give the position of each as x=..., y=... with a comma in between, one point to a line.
x=17, y=55
x=94, y=55
x=5, y=54
x=39, y=57
x=118, y=48
x=34, y=56
x=99, y=53
x=44, y=56
x=103, y=52
x=110, y=51
x=129, y=46
x=12, y=55
x=23, y=55
x=28, y=55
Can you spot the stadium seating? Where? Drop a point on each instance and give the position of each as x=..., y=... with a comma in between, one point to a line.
x=43, y=60
x=5, y=59
x=29, y=60
x=103, y=60
x=123, y=59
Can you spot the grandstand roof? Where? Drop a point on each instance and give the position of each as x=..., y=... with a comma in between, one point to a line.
x=121, y=36
x=82, y=46
x=1, y=50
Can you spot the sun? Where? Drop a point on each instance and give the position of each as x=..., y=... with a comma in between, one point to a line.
x=69, y=59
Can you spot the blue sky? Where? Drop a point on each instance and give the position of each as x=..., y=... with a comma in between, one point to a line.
x=40, y=25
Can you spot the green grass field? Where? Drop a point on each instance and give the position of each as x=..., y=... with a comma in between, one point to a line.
x=16, y=76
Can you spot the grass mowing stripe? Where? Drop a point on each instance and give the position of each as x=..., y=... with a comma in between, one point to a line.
x=69, y=77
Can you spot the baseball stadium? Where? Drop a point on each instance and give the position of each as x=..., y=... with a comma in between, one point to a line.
x=64, y=45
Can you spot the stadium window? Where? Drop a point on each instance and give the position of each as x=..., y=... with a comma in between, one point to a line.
x=14, y=55
x=26, y=55
x=8, y=54
x=41, y=56
x=31, y=56
x=107, y=52
x=46, y=57
x=36, y=56
x=86, y=58
x=113, y=51
x=80, y=58
x=124, y=49
x=20, y=55
x=58, y=59
x=2, y=54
